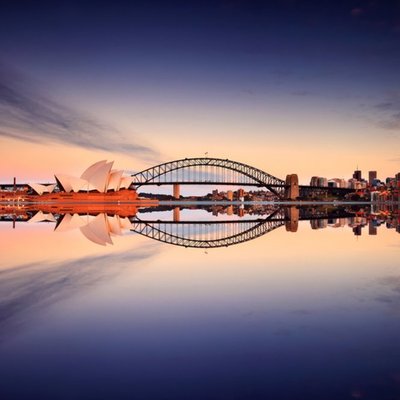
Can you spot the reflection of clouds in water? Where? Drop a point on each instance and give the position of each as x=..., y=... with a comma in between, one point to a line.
x=383, y=386
x=29, y=287
x=302, y=312
x=391, y=296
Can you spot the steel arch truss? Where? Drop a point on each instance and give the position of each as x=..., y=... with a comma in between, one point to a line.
x=259, y=177
x=246, y=230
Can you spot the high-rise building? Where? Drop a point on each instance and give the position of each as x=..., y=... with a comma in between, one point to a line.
x=314, y=181
x=322, y=181
x=371, y=177
x=389, y=181
x=372, y=230
x=353, y=183
x=318, y=181
x=332, y=183
x=337, y=182
x=314, y=224
x=357, y=175
x=240, y=193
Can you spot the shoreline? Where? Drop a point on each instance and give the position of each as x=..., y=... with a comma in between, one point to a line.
x=148, y=202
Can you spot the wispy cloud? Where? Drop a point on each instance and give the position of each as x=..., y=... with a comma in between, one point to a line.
x=302, y=93
x=388, y=112
x=27, y=113
x=391, y=122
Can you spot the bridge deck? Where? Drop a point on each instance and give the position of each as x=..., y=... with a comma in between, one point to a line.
x=137, y=184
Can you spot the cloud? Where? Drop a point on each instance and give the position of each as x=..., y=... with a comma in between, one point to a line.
x=388, y=112
x=392, y=122
x=27, y=113
x=31, y=287
x=301, y=93
x=385, y=106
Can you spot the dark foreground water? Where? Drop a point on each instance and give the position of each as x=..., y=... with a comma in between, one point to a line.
x=307, y=311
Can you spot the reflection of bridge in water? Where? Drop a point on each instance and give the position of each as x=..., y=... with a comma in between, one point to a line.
x=207, y=234
x=223, y=233
x=216, y=171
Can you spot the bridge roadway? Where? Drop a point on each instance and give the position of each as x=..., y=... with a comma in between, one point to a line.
x=237, y=221
x=219, y=183
x=13, y=217
x=254, y=184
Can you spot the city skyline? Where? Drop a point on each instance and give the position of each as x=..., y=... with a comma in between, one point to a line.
x=101, y=179
x=357, y=175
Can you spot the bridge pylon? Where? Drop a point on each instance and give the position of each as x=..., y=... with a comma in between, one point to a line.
x=292, y=215
x=177, y=191
x=292, y=187
x=177, y=214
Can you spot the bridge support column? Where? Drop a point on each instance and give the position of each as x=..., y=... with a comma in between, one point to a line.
x=177, y=214
x=292, y=213
x=292, y=187
x=177, y=191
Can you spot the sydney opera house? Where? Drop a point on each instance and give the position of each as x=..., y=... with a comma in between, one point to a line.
x=98, y=183
x=99, y=177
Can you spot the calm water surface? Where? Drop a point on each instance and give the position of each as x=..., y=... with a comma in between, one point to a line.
x=312, y=314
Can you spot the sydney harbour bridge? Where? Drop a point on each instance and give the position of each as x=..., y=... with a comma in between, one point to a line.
x=218, y=172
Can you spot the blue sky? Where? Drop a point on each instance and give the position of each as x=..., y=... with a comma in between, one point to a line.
x=287, y=86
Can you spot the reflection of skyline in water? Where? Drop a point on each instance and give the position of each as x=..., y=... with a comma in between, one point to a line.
x=200, y=225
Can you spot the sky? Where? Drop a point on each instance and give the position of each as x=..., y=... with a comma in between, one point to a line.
x=306, y=87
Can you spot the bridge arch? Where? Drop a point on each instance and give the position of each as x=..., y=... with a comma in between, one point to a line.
x=254, y=175
x=246, y=231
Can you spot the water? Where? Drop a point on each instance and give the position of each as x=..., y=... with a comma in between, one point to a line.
x=301, y=314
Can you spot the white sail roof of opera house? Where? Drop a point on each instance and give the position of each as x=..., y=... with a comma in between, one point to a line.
x=70, y=183
x=98, y=176
x=40, y=189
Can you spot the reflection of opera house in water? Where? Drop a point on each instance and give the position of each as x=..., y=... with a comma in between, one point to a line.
x=99, y=182
x=97, y=228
